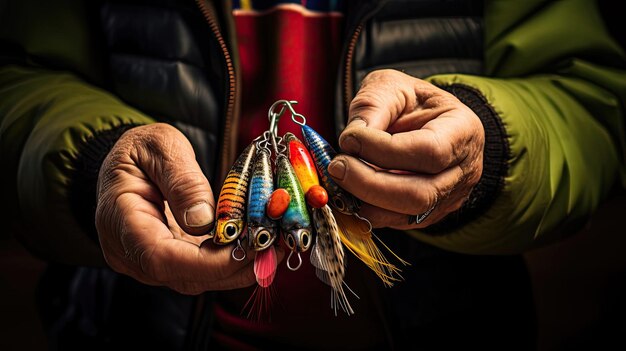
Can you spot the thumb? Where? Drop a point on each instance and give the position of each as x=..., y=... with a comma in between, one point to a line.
x=384, y=96
x=388, y=101
x=169, y=161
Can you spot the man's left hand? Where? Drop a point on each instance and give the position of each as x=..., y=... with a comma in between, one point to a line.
x=410, y=147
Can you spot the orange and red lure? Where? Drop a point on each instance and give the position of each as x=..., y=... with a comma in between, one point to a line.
x=302, y=162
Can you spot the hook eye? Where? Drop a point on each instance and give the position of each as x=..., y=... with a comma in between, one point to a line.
x=291, y=268
x=238, y=248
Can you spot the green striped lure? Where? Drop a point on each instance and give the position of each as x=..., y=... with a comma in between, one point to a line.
x=295, y=222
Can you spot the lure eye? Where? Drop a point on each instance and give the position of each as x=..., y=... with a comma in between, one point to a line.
x=305, y=240
x=339, y=203
x=263, y=238
x=291, y=242
x=230, y=230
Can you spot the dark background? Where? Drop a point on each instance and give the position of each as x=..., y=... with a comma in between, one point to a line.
x=579, y=284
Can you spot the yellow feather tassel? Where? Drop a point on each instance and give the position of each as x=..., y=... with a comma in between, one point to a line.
x=357, y=236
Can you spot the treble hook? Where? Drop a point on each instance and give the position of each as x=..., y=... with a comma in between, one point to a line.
x=293, y=269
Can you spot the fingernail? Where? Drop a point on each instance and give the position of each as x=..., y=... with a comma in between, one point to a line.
x=199, y=215
x=337, y=169
x=351, y=144
x=357, y=120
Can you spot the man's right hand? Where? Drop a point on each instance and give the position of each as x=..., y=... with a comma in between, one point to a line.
x=154, y=209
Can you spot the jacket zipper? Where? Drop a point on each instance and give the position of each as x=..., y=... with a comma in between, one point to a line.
x=226, y=154
x=197, y=336
x=348, y=79
x=348, y=89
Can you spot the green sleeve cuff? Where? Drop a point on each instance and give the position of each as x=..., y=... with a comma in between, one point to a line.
x=562, y=162
x=47, y=118
x=82, y=188
x=495, y=166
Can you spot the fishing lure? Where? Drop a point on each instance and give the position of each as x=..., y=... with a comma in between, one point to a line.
x=358, y=238
x=328, y=257
x=231, y=204
x=259, y=198
x=261, y=229
x=278, y=204
x=355, y=232
x=303, y=165
x=295, y=222
x=259, y=303
x=323, y=153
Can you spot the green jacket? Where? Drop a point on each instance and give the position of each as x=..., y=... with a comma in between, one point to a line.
x=555, y=80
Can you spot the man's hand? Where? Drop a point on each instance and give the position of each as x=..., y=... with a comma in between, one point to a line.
x=422, y=148
x=154, y=205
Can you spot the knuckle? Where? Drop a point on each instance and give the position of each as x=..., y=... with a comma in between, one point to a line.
x=185, y=186
x=184, y=180
x=162, y=140
x=427, y=200
x=157, y=132
x=440, y=153
x=385, y=73
x=366, y=98
x=416, y=196
x=439, y=98
x=373, y=76
x=368, y=186
x=420, y=200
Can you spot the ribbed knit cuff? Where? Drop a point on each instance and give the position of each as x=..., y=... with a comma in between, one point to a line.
x=84, y=179
x=495, y=166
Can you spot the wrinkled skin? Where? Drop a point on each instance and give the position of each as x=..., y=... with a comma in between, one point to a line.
x=408, y=145
x=154, y=210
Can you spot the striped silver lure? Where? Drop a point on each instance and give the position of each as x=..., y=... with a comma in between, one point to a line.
x=231, y=204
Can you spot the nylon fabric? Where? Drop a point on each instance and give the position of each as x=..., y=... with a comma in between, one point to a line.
x=57, y=110
x=554, y=142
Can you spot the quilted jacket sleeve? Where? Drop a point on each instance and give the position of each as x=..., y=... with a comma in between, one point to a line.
x=54, y=132
x=557, y=90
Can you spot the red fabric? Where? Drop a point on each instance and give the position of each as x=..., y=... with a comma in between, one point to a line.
x=291, y=53
x=287, y=53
